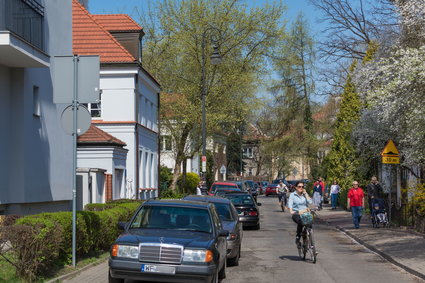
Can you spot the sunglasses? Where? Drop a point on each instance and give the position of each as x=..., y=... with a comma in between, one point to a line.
x=300, y=186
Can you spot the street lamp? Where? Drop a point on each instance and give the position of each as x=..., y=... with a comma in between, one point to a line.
x=215, y=60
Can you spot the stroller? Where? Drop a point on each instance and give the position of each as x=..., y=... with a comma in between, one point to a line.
x=379, y=214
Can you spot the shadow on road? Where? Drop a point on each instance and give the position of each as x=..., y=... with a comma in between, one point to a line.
x=290, y=257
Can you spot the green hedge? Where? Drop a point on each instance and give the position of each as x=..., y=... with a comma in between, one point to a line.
x=96, y=231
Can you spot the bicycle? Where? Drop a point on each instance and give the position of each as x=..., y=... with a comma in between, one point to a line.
x=308, y=244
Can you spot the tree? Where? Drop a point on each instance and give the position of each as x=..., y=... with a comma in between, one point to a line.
x=172, y=53
x=342, y=161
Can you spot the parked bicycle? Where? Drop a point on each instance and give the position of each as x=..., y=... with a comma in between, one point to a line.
x=307, y=245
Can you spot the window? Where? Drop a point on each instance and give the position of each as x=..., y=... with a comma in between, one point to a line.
x=95, y=109
x=36, y=111
x=165, y=143
x=250, y=171
x=247, y=152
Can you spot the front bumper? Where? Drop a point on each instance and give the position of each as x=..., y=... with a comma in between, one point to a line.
x=232, y=248
x=127, y=269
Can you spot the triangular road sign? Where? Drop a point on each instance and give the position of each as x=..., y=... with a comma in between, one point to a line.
x=390, y=149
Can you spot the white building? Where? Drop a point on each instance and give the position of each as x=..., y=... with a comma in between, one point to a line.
x=128, y=109
x=35, y=153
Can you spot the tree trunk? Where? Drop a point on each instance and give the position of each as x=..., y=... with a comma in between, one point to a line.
x=180, y=154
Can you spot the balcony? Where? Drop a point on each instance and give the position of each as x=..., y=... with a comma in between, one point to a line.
x=22, y=34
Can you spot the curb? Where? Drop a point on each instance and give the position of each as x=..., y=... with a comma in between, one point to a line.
x=76, y=272
x=382, y=254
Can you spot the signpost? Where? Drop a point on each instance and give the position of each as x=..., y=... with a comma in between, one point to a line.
x=223, y=171
x=75, y=80
x=204, y=164
x=390, y=155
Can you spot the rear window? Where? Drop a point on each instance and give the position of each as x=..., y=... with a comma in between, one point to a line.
x=172, y=218
x=224, y=211
x=215, y=187
x=240, y=199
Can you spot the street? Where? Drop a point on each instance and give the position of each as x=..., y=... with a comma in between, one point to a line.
x=270, y=255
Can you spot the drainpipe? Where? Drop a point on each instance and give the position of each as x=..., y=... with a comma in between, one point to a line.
x=136, y=130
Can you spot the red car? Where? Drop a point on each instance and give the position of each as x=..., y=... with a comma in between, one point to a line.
x=272, y=189
x=222, y=186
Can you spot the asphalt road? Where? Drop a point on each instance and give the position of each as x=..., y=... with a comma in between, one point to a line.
x=270, y=255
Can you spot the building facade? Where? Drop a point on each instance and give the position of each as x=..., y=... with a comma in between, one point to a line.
x=35, y=152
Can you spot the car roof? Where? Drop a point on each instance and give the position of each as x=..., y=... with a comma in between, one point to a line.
x=224, y=183
x=177, y=202
x=238, y=193
x=203, y=198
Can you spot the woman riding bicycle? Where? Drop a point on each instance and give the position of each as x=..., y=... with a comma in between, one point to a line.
x=298, y=204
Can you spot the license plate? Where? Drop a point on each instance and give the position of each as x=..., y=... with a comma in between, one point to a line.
x=158, y=269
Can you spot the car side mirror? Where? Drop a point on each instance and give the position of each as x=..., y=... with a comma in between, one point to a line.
x=259, y=203
x=122, y=225
x=223, y=233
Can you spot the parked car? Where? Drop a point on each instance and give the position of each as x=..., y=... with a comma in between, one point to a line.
x=243, y=185
x=253, y=187
x=265, y=184
x=221, y=185
x=229, y=218
x=260, y=188
x=271, y=190
x=247, y=209
x=170, y=241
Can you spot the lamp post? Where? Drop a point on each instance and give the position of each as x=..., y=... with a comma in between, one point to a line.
x=215, y=60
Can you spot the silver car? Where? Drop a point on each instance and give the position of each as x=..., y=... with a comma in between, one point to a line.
x=230, y=221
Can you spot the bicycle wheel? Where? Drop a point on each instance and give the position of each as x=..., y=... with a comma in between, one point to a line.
x=305, y=246
x=312, y=247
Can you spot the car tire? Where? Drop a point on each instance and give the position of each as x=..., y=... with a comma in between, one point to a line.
x=257, y=227
x=235, y=261
x=222, y=273
x=114, y=280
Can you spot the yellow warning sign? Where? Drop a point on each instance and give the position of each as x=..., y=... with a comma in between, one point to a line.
x=390, y=149
x=390, y=154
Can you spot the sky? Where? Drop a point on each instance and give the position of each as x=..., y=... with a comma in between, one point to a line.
x=294, y=7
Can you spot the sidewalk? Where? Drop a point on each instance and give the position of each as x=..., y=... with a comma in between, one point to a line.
x=403, y=248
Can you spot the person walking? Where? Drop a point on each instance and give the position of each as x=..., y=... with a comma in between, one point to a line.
x=334, y=194
x=199, y=189
x=374, y=190
x=318, y=190
x=355, y=200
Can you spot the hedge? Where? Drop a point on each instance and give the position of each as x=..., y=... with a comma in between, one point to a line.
x=96, y=231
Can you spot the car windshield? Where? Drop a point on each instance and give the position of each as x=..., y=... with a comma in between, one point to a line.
x=240, y=199
x=172, y=218
x=224, y=211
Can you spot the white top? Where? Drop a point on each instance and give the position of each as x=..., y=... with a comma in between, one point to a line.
x=198, y=191
x=334, y=189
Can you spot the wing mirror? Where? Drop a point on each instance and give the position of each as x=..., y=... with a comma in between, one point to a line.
x=259, y=203
x=223, y=233
x=122, y=225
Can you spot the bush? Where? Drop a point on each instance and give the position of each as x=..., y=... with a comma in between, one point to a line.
x=192, y=180
x=165, y=177
x=43, y=239
x=170, y=194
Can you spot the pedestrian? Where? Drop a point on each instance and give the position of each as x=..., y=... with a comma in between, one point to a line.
x=318, y=190
x=355, y=200
x=374, y=190
x=199, y=189
x=334, y=194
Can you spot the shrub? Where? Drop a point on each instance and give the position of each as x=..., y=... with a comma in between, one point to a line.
x=192, y=180
x=165, y=177
x=170, y=194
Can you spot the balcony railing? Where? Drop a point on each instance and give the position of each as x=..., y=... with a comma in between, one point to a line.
x=25, y=19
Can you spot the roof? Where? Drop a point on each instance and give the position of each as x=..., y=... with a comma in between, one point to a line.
x=226, y=183
x=212, y=199
x=117, y=22
x=95, y=136
x=177, y=202
x=90, y=38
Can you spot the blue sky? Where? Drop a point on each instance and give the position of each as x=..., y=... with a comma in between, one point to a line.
x=294, y=7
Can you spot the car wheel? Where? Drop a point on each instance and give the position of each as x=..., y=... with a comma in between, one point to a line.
x=114, y=280
x=257, y=227
x=215, y=277
x=222, y=273
x=235, y=261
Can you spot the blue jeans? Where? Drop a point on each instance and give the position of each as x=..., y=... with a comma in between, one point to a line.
x=334, y=200
x=356, y=212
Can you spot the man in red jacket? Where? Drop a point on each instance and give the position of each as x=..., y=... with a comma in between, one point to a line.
x=355, y=200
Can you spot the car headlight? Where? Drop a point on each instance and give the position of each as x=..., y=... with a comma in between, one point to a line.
x=197, y=255
x=125, y=251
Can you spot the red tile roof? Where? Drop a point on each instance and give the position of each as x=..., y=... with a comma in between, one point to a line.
x=90, y=38
x=94, y=135
x=117, y=22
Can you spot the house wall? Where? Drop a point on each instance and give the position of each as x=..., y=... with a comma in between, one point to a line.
x=36, y=156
